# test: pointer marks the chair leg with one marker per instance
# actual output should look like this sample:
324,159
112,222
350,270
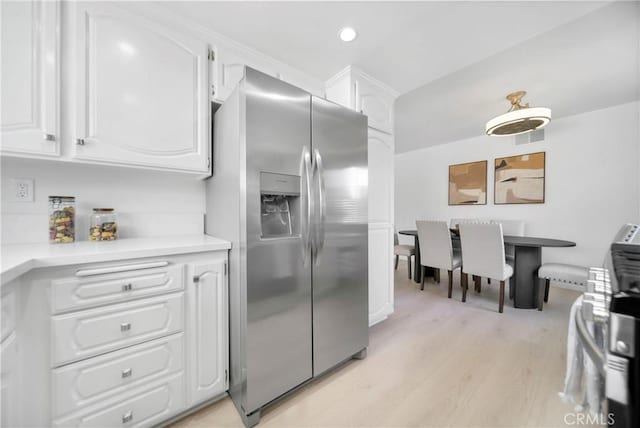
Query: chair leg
397,259
424,270
409,264
436,275
501,303
488,280
546,290
450,283
464,280
510,289
477,281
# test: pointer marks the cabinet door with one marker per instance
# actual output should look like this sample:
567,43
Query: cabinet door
375,103
230,70
142,92
207,330
29,79
380,272
380,177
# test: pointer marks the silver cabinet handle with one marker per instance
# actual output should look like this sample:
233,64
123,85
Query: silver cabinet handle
127,287
307,204
127,417
80,141
197,278
49,137
318,176
125,326
127,373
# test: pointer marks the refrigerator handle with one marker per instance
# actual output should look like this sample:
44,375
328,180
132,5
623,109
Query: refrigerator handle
318,176
306,205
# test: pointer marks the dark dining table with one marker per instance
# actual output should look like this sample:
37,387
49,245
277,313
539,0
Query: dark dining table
528,258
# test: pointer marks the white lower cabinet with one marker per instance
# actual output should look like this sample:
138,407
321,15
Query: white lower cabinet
380,272
8,357
208,331
140,407
97,379
87,333
129,343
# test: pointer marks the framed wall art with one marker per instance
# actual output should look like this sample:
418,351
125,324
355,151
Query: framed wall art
468,183
519,179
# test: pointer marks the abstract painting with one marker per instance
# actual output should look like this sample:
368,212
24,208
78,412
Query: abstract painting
519,179
468,183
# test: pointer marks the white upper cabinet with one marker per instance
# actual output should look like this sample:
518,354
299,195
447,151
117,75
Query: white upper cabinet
357,90
376,103
30,63
142,92
229,64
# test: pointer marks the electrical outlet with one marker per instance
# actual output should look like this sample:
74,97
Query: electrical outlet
22,189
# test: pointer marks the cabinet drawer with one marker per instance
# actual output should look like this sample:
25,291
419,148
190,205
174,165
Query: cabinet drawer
112,284
91,332
96,379
144,406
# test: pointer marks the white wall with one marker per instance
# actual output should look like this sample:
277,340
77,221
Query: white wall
148,203
592,182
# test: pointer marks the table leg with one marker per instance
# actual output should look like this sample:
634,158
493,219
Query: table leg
525,277
417,269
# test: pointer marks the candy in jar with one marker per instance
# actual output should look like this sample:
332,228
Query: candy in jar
103,225
62,215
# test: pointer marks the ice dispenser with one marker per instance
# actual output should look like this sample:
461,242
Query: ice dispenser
279,205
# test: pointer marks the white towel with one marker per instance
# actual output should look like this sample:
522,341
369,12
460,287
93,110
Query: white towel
583,384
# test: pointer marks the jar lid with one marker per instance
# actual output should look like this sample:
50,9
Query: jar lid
63,198
103,210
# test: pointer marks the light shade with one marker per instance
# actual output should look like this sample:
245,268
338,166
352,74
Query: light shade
348,34
519,121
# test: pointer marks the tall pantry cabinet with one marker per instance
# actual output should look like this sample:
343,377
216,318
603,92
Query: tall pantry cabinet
355,89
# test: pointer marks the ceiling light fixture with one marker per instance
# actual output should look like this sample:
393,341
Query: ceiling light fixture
519,119
348,34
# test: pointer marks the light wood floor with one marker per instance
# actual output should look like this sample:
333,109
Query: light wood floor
437,362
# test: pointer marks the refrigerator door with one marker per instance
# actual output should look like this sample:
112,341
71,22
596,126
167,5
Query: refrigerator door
278,329
340,235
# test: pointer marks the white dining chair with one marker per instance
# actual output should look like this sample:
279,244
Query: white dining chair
436,250
403,250
511,228
560,272
483,256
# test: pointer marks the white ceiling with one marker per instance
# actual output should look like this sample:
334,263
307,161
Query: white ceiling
404,44
453,61
588,64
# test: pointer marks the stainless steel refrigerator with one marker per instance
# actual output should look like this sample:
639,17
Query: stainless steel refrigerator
289,190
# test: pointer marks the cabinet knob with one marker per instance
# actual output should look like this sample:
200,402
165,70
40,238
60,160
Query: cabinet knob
127,373
127,417
125,326
49,137
127,287
80,141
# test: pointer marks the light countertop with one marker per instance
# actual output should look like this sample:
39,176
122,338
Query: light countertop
18,259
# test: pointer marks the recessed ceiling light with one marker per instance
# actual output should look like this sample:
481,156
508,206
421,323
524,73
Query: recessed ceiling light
348,34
